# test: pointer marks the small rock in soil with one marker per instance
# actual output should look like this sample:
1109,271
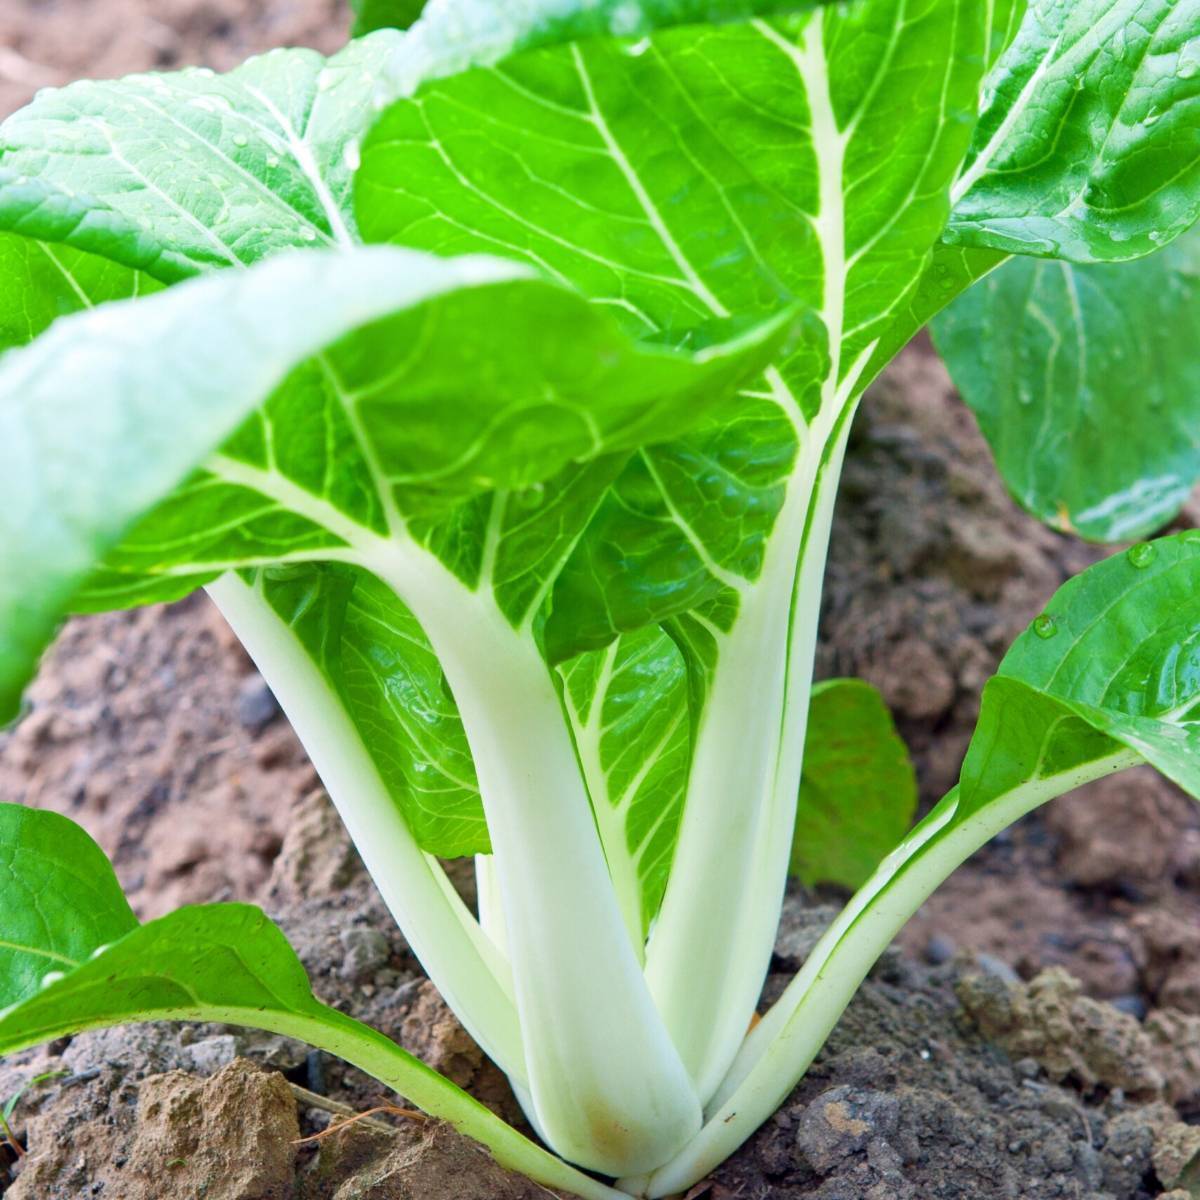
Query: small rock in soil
367,950
256,704
209,1055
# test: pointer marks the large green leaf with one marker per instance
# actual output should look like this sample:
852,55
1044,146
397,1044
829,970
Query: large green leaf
107,411
676,179
61,900
1085,382
859,791
1088,146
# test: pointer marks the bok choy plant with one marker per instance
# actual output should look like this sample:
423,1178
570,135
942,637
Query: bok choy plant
494,376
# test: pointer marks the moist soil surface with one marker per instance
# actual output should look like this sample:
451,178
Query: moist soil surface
1035,1033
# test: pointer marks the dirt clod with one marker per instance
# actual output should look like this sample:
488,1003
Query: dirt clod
1071,1036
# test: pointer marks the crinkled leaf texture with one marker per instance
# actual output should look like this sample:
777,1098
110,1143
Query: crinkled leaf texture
1084,379
1088,146
858,793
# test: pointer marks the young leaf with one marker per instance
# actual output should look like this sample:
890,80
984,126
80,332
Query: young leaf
1053,358
859,790
1106,678
1110,664
61,900
218,962
1087,144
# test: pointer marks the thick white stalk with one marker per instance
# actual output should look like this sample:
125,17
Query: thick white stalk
782,1047
607,1085
711,948
435,922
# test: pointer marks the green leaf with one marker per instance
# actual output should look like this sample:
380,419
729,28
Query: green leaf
370,15
569,158
41,281
628,709
186,171
181,172
454,35
1084,380
62,900
859,790
1088,146
216,962
1114,661
107,411
378,661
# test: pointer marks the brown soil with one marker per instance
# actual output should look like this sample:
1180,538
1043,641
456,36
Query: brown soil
949,1076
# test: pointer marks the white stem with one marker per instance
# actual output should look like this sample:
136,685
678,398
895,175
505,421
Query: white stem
607,1085
711,947
435,922
782,1047
491,907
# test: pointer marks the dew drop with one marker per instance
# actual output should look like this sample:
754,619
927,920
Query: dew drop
309,235
52,977
1044,626
531,497
272,160
1141,555
241,141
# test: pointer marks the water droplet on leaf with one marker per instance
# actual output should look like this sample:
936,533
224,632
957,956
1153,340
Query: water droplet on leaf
1141,555
1044,626
241,140
531,497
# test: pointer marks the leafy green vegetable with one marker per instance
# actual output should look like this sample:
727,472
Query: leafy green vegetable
101,376
1086,146
61,900
531,550
858,792
1054,357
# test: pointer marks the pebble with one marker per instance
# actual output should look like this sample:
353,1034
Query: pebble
939,949
367,950
989,964
256,704
210,1054
1134,1005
